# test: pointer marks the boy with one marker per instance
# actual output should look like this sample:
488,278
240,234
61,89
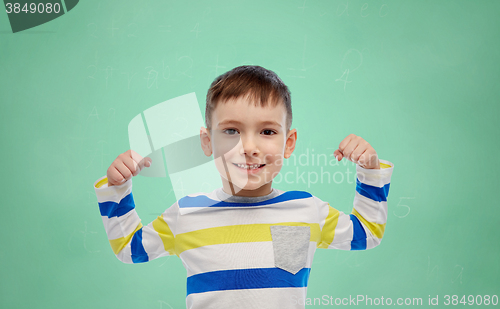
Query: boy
249,245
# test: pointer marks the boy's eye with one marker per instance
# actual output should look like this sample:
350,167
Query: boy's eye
234,131
269,132
230,131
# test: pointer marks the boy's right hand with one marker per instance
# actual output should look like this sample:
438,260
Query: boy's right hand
126,165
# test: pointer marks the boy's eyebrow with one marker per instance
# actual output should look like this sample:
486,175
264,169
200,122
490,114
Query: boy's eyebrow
268,122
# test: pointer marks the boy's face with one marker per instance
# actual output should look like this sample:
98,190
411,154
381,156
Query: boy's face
244,135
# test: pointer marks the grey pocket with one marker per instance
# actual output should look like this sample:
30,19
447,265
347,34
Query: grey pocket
290,246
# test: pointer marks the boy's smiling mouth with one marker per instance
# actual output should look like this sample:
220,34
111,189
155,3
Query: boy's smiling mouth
249,167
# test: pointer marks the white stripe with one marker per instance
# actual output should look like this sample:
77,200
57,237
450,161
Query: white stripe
292,298
303,210
117,227
187,210
234,256
341,246
125,255
113,193
172,218
343,230
371,210
375,177
323,210
372,242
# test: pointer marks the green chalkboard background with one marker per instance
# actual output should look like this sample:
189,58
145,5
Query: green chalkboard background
418,80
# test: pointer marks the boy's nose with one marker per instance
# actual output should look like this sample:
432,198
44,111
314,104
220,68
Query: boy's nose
249,147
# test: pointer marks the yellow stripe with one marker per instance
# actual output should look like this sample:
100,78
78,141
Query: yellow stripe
102,182
166,235
376,228
234,234
118,244
383,165
328,232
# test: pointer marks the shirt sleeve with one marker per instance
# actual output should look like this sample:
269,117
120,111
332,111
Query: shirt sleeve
130,241
364,227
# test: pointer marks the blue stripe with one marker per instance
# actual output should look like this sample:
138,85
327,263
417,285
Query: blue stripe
139,255
112,209
358,235
254,278
204,201
372,192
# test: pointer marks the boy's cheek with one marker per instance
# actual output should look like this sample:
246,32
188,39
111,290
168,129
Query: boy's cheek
275,159
227,153
279,162
224,144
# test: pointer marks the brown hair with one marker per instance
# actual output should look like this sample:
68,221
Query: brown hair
261,85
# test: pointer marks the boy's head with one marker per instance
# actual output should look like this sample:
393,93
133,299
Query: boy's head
262,86
248,117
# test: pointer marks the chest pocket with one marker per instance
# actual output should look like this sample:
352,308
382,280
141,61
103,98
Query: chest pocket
290,246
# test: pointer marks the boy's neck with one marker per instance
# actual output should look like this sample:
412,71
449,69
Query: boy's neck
230,189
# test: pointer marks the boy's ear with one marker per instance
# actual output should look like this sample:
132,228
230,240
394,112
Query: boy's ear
291,139
206,143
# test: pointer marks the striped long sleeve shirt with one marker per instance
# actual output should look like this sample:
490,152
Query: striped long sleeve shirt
246,252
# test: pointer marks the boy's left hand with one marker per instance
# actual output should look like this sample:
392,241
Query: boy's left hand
356,149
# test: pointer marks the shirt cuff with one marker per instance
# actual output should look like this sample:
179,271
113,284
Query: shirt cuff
113,193
376,177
